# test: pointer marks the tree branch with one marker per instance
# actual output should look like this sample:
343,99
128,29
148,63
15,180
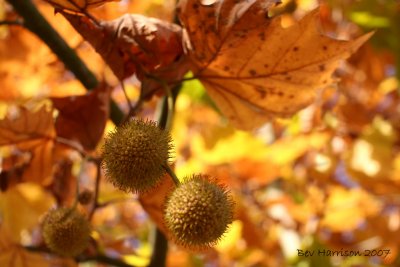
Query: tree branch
160,247
38,25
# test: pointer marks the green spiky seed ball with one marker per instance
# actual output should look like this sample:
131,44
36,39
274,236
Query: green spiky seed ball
198,212
66,232
134,155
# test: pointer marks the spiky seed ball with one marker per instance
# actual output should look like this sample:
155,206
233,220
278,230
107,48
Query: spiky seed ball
198,212
134,154
66,232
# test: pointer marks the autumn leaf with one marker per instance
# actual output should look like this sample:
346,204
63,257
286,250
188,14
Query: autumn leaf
33,132
135,44
77,5
153,203
252,67
83,118
350,206
30,200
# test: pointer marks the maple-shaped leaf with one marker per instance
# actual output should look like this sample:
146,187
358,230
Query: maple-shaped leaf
134,44
33,132
83,118
77,5
251,66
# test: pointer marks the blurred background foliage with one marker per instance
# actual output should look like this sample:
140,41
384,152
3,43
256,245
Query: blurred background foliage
326,179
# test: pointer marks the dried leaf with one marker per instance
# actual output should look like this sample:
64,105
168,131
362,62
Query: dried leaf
252,67
77,5
83,118
31,132
134,44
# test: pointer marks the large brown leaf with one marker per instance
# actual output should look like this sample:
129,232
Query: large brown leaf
32,132
83,118
252,67
135,44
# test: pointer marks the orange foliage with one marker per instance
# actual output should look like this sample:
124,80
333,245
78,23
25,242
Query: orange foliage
318,168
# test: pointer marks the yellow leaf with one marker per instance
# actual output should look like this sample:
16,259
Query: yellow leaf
285,150
21,207
229,239
346,209
252,67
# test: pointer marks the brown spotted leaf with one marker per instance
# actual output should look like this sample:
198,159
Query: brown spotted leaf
252,67
83,118
31,132
77,5
135,44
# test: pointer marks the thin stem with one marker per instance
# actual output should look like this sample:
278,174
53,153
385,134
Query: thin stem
115,201
159,256
160,246
72,144
171,107
96,191
126,96
172,174
11,23
76,201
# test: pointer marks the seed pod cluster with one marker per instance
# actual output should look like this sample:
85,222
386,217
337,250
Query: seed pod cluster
66,232
134,155
198,212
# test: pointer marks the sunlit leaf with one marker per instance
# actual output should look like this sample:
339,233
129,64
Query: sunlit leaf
31,202
347,209
83,118
252,67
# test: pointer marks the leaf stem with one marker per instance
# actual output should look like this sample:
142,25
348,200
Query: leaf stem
172,174
96,191
72,144
11,23
159,256
160,246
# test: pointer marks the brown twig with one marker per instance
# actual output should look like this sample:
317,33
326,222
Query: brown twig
96,191
12,23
